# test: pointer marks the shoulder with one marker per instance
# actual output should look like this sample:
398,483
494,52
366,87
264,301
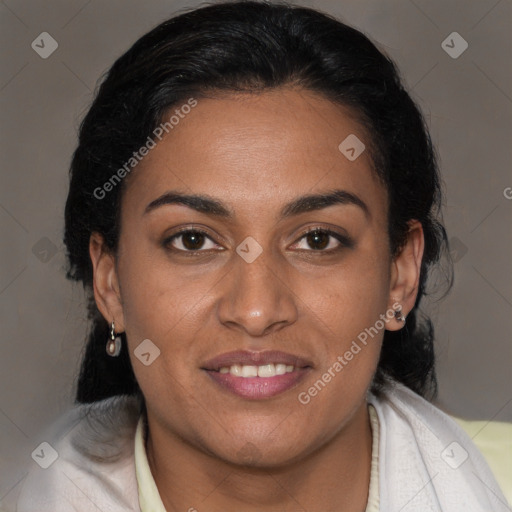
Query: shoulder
86,460
481,448
494,440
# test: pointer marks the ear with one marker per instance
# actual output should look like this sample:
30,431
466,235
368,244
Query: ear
405,274
105,282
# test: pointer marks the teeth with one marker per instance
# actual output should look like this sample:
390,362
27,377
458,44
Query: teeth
267,370
236,370
249,371
281,369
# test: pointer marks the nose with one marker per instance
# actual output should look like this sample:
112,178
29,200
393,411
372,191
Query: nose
256,300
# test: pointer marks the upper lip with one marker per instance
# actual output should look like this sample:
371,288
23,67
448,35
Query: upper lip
247,357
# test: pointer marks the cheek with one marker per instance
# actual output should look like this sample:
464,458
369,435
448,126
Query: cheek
348,298
156,295
352,339
347,305
165,310
163,306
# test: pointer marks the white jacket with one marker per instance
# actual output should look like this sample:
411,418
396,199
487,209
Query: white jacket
427,463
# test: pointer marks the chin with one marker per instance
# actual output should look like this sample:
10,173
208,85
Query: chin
261,455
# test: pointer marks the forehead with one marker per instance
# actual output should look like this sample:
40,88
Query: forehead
258,151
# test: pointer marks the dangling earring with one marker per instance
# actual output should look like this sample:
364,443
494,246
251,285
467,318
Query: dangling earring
114,343
399,316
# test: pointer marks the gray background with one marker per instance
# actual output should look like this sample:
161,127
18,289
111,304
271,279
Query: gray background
467,102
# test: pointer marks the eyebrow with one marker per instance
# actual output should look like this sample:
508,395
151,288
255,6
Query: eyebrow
211,206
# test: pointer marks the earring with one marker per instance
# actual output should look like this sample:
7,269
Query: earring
114,343
399,316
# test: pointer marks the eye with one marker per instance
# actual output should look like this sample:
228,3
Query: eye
318,240
323,240
189,240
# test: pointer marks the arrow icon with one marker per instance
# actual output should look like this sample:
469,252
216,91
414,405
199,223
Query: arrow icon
40,456
44,455
351,147
454,45
44,45
147,352
249,252
454,455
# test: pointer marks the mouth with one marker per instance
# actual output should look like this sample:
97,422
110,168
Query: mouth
257,375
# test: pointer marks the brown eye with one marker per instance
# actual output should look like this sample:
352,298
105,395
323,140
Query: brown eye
192,240
323,241
318,239
189,240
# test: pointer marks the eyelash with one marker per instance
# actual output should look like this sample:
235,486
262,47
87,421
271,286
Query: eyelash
345,242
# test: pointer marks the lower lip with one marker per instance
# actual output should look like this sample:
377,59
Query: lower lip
256,388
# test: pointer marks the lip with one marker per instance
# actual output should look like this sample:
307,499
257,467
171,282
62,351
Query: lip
257,388
247,357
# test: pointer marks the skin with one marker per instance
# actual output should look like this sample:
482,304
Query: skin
207,448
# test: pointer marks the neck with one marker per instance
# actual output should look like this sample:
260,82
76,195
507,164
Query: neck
334,477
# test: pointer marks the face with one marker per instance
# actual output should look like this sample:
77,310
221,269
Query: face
252,279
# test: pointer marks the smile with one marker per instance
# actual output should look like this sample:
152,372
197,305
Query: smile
257,375
267,370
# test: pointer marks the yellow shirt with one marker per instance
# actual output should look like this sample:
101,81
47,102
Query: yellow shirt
494,440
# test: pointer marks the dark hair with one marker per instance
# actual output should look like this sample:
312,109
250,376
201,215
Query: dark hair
251,46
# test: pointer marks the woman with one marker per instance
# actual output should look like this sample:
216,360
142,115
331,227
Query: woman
254,210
